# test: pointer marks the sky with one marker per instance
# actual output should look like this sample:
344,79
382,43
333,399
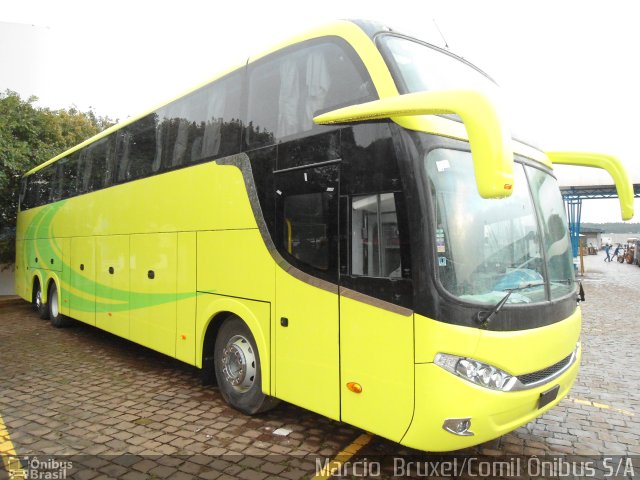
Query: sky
567,68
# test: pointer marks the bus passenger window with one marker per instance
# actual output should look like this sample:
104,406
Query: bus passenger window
101,154
42,185
142,147
305,229
84,172
210,141
28,201
181,142
22,194
375,238
288,90
123,139
56,182
70,175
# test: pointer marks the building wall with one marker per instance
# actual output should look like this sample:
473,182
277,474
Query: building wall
6,281
592,239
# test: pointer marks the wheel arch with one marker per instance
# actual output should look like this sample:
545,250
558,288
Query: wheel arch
53,279
256,315
208,346
37,277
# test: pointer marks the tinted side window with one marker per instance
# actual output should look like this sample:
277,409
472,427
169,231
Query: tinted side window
123,140
375,254
102,154
39,186
375,244
205,124
56,182
291,87
22,194
141,151
306,228
84,171
29,198
307,219
69,166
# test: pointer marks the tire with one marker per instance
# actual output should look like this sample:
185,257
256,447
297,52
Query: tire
38,305
57,319
237,368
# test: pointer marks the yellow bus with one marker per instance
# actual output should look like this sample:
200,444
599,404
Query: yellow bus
343,223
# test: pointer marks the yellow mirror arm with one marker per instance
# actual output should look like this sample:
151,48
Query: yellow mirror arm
489,139
609,163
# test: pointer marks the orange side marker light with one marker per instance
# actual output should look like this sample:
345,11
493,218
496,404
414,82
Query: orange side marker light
354,387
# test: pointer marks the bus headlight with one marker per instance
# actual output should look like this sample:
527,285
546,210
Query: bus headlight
476,372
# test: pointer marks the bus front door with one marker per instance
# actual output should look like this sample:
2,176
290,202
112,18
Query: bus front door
307,311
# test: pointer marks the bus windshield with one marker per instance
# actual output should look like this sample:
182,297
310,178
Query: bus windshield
418,67
486,247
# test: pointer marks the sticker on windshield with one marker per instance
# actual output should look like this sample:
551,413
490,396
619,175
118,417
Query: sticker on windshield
440,247
442,261
443,165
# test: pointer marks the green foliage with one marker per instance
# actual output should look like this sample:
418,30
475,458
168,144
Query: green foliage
30,135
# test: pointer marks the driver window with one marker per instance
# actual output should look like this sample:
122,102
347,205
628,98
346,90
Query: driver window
375,245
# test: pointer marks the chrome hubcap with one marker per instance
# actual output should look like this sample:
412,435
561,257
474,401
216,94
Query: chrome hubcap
54,303
239,363
38,299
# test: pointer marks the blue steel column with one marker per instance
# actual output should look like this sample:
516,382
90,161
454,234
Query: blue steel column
574,211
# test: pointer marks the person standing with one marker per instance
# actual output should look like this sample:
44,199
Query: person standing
607,249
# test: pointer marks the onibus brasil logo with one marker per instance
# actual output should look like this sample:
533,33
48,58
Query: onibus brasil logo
32,467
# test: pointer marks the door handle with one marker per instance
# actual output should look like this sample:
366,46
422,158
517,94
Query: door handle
284,321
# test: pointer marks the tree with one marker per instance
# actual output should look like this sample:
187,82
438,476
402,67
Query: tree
30,135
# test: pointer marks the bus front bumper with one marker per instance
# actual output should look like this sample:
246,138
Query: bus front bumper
441,395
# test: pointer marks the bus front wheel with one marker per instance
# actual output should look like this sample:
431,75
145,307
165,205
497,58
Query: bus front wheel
237,368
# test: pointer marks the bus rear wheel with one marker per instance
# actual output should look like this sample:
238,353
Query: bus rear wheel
237,368
38,303
58,320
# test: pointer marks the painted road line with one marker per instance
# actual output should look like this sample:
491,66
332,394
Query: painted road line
8,454
344,456
601,406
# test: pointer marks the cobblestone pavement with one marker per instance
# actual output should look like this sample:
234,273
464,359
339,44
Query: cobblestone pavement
131,413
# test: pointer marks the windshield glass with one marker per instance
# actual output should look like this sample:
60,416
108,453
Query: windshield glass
418,67
487,247
557,243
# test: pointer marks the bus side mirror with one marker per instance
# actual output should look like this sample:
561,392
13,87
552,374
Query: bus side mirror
489,139
609,163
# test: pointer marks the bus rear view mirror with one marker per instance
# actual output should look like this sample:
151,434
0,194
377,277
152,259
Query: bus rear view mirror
611,164
489,139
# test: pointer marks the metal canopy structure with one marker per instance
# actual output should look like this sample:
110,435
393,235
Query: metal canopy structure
573,197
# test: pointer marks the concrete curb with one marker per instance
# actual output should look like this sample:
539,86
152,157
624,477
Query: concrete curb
10,300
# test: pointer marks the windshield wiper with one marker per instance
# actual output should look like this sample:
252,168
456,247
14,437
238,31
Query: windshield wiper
483,317
570,281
